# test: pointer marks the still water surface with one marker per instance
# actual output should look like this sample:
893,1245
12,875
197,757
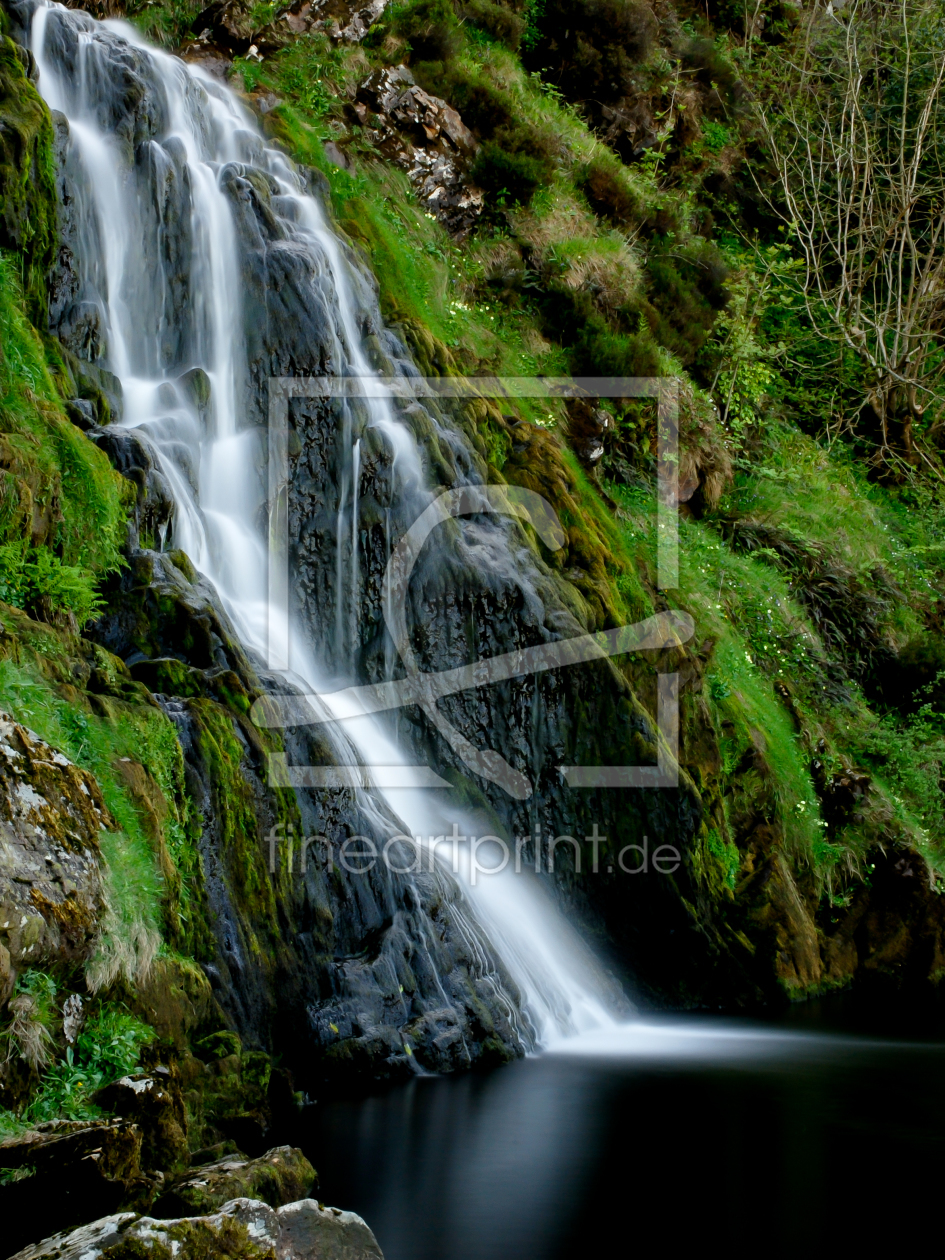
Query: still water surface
697,1132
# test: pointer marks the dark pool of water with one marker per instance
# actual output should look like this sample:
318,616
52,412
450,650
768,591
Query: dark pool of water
692,1134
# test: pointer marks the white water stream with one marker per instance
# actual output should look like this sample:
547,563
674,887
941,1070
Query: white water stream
212,460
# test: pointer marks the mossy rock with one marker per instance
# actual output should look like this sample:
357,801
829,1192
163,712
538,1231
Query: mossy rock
27,178
282,1175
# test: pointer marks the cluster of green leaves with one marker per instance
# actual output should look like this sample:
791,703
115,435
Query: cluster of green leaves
107,1047
31,575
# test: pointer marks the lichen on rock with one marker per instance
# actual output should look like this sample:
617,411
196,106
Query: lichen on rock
52,900
281,1176
243,1229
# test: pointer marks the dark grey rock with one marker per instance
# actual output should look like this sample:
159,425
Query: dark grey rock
309,1231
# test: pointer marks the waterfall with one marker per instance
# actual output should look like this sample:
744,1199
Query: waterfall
167,273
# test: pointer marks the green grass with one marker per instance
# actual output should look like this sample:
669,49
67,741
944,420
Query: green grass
62,506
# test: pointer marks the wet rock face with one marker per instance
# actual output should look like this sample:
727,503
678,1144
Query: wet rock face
51,897
243,1229
427,138
379,971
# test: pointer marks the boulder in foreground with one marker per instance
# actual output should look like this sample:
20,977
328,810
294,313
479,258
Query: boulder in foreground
244,1229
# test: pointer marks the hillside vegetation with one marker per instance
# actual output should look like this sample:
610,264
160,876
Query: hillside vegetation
635,223
665,191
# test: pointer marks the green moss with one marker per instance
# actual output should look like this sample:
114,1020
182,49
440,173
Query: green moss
138,895
225,744
62,506
27,178
726,855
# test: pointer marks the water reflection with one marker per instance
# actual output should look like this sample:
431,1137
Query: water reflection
771,1141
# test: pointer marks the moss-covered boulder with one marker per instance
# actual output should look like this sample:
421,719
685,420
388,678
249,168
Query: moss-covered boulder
51,894
155,1102
243,1229
283,1175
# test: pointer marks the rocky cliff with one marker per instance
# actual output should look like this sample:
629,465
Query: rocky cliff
515,225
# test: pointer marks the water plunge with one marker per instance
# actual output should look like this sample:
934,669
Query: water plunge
167,278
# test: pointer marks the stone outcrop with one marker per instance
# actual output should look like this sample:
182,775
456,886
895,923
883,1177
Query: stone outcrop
281,1176
82,1169
228,28
347,21
51,895
152,1101
243,1229
425,137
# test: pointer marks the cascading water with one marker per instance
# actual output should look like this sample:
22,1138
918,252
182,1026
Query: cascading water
165,277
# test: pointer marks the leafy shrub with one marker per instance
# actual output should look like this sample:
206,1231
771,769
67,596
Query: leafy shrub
511,178
589,47
609,191
595,347
713,69
499,21
107,1048
37,581
686,291
430,27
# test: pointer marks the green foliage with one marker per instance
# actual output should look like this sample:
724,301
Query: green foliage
62,506
534,16
429,26
726,854
908,759
510,178
134,891
612,191
27,177
168,22
716,135
497,19
107,1047
35,578
589,47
